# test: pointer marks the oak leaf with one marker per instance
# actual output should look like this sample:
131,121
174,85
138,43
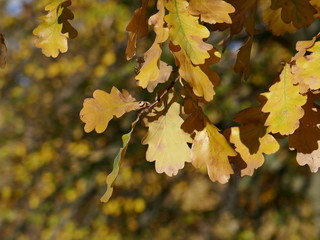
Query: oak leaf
284,104
185,31
268,145
137,28
3,51
299,12
99,110
306,72
167,142
211,11
195,76
53,32
165,72
150,71
211,148
274,20
306,138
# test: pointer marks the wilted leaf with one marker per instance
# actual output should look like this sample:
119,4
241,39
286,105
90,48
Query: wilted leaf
137,28
3,52
99,110
211,148
299,12
284,105
211,11
167,142
306,138
185,31
150,71
268,145
53,32
116,164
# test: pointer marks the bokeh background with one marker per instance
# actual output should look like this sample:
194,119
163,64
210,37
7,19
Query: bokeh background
52,174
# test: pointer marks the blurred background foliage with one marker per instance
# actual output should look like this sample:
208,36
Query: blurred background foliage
52,175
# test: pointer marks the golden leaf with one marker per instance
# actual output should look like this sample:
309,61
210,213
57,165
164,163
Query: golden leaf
99,110
284,105
185,31
211,11
211,148
167,142
53,32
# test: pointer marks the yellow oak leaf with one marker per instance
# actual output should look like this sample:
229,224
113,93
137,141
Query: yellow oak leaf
195,76
274,20
150,70
53,32
211,11
185,31
306,138
268,145
165,72
284,104
167,142
3,51
211,148
306,72
137,28
303,46
99,110
299,12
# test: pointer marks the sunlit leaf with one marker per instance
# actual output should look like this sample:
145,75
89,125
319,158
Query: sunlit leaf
99,110
167,142
211,148
284,105
53,32
185,31
165,72
211,11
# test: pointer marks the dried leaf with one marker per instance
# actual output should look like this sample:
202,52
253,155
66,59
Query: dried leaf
3,51
211,11
284,105
274,20
53,32
211,148
196,120
268,145
137,28
185,31
306,138
167,142
299,12
99,110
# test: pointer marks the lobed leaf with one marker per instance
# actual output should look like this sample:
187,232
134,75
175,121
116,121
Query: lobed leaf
211,148
99,110
53,32
299,12
167,142
284,105
212,11
185,31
